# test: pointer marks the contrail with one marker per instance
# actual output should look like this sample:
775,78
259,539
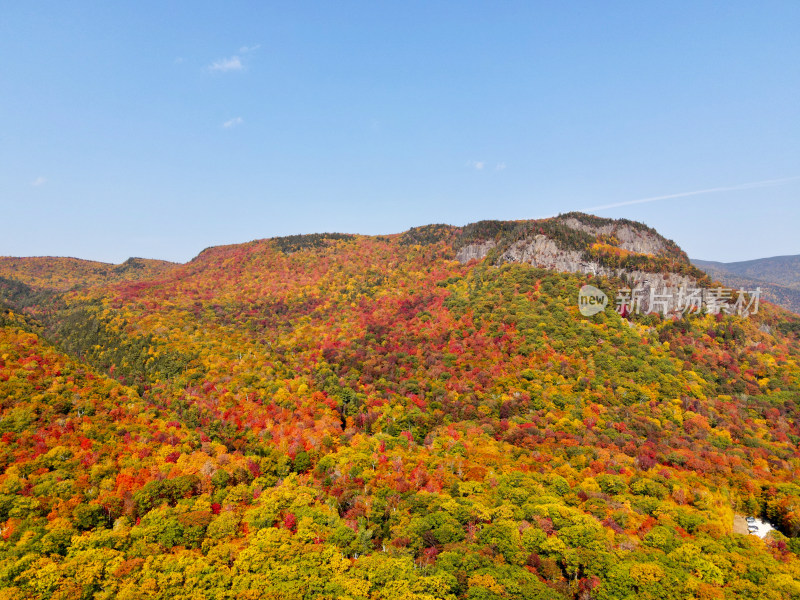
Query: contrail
732,188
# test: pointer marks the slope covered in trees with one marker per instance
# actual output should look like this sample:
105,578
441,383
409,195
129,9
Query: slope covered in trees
364,417
61,274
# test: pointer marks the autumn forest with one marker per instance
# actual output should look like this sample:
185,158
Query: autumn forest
415,416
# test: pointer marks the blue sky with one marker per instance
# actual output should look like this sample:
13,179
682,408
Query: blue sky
157,129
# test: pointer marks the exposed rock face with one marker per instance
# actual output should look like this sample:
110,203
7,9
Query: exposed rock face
659,292
660,289
670,280
471,251
630,239
543,252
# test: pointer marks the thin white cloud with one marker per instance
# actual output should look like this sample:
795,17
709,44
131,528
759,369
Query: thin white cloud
178,60
233,122
223,65
732,188
246,49
500,167
39,181
478,165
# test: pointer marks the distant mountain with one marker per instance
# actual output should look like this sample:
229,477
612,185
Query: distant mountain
62,273
779,270
778,277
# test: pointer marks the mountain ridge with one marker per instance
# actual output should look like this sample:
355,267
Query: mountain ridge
781,270
778,276
589,242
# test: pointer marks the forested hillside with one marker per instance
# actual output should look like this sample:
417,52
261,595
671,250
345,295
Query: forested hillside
346,416
62,274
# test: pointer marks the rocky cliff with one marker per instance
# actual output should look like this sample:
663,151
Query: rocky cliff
579,243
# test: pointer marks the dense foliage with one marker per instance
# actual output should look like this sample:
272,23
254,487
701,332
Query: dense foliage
62,274
365,418
293,243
